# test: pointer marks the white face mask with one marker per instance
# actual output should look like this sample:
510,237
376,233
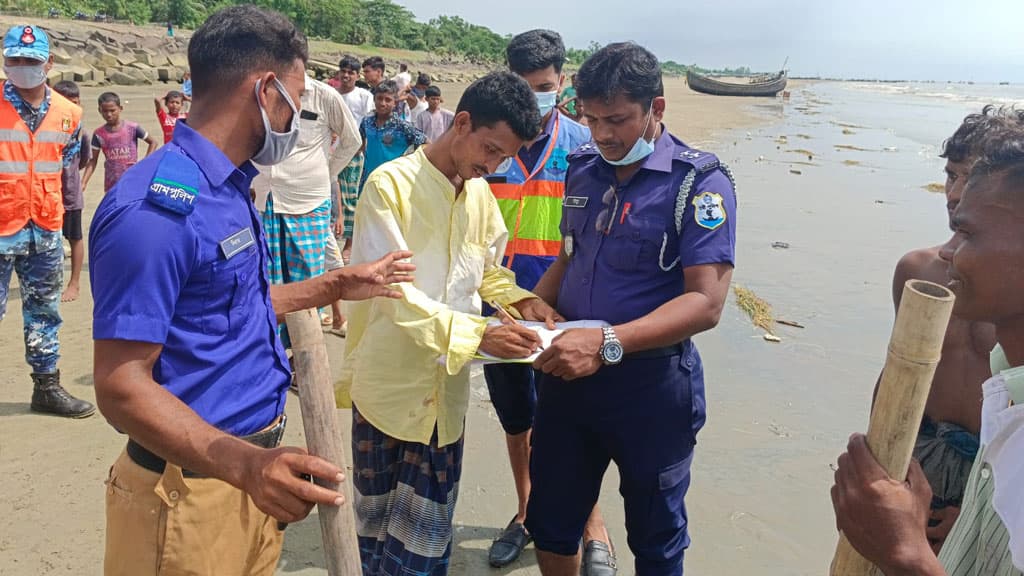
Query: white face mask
546,101
26,77
276,145
641,149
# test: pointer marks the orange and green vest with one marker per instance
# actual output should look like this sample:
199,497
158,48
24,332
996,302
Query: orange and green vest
531,201
31,163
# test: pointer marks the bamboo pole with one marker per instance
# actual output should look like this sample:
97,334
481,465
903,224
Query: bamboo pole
323,438
915,349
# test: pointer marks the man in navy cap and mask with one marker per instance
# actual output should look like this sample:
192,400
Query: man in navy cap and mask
39,134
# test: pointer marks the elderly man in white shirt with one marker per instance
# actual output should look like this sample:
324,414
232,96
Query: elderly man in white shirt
296,195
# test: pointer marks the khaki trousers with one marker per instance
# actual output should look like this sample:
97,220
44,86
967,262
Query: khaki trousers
168,525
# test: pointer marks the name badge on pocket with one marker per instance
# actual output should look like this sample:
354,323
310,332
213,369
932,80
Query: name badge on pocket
237,242
575,201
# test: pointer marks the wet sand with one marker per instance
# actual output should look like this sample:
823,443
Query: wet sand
778,413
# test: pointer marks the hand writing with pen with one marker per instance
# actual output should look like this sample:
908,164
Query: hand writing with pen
510,339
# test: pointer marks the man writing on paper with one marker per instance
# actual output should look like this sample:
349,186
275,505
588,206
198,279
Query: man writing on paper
530,189
408,409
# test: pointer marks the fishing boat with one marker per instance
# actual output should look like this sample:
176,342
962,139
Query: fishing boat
764,85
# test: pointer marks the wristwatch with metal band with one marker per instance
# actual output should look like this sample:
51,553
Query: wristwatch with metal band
611,349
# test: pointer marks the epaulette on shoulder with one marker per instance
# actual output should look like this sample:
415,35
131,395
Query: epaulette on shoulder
587,150
701,161
175,184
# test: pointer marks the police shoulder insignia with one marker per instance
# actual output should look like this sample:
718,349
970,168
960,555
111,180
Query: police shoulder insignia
588,149
702,162
175,186
65,124
709,210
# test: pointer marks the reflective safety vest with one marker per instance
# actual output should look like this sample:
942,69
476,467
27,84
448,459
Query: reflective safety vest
531,202
31,163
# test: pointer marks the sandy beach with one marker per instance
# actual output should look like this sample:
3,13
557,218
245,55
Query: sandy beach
842,188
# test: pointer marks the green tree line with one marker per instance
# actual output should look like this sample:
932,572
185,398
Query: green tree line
380,23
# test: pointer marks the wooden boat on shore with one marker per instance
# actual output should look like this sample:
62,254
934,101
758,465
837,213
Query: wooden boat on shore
765,86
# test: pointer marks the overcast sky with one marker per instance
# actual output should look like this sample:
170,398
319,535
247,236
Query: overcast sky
980,40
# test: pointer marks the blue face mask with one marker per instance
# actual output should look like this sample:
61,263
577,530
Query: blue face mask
276,145
641,148
546,101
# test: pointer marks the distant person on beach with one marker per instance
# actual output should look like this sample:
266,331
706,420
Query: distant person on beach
174,101
73,194
567,100
403,79
118,140
187,361
385,135
412,101
434,121
36,123
333,81
530,190
887,519
186,85
409,410
373,72
423,81
638,255
360,103
948,441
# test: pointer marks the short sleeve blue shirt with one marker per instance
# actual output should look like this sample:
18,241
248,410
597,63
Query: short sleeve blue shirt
177,257
677,211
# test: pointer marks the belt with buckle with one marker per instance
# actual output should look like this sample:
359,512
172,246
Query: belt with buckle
269,437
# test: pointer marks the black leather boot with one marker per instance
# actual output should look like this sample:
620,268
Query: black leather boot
49,397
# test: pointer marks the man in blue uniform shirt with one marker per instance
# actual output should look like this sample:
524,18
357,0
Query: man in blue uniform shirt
187,359
649,232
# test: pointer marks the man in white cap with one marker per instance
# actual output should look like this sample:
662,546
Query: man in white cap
39,134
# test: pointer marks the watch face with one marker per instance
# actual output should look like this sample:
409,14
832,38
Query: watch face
612,352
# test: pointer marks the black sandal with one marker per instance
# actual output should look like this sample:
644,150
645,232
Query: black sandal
507,547
598,559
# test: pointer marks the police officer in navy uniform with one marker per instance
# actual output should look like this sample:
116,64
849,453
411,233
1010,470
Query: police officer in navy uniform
638,254
187,359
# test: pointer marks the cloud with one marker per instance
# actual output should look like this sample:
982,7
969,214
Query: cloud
890,39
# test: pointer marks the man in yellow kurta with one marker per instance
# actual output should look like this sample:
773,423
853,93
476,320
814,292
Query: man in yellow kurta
406,370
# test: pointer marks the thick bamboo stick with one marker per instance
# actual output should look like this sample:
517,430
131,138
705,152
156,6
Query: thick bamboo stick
323,438
915,348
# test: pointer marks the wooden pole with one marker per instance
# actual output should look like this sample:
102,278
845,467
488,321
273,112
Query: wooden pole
323,438
915,349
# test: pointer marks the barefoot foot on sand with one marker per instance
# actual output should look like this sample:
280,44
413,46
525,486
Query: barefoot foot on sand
70,293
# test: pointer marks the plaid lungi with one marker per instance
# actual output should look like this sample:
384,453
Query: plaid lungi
297,242
348,180
405,495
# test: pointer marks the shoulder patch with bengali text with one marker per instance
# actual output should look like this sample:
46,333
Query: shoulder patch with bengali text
175,186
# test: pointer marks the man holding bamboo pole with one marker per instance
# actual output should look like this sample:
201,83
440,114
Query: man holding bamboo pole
884,519
187,359
947,442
